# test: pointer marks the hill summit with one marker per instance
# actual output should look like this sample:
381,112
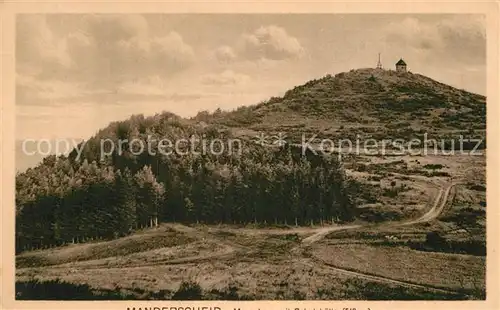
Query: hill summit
373,102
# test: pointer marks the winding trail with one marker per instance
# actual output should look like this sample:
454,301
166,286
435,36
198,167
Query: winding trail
323,232
437,208
376,278
434,211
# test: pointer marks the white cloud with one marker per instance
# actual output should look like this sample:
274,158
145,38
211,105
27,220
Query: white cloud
140,56
151,85
225,54
463,36
227,77
104,49
112,28
30,90
37,44
158,89
271,42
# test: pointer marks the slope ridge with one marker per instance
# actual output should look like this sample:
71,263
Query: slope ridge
375,102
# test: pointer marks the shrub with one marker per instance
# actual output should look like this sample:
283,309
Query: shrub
394,190
361,167
60,290
477,187
434,239
438,174
229,293
433,166
188,291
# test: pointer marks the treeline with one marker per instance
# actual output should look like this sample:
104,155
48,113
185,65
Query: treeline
73,203
65,200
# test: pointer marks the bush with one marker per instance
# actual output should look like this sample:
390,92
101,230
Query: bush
229,293
477,187
433,166
188,291
378,216
394,190
465,217
361,167
434,239
471,247
60,290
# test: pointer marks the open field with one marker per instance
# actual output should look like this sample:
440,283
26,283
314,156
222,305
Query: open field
400,263
263,265
360,260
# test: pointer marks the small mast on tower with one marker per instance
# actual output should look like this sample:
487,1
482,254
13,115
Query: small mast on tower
379,64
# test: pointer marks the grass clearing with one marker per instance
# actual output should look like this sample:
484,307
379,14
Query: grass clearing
142,241
454,271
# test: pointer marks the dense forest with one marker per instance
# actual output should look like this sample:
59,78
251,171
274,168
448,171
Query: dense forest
75,199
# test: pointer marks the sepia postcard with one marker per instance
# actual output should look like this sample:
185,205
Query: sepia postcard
249,155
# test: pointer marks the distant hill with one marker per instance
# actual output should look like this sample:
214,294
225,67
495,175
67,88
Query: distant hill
28,156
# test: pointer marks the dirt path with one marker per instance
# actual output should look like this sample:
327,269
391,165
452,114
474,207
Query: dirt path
378,278
323,232
436,209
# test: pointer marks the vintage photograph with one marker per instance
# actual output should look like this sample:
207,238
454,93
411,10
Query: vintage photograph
166,156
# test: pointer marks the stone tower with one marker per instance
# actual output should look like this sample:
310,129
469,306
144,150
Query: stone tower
401,65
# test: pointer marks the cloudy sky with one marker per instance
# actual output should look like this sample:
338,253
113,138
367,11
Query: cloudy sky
76,73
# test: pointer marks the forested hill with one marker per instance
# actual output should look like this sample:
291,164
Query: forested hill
76,198
66,200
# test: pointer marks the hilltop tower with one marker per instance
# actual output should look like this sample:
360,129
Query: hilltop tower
379,64
401,65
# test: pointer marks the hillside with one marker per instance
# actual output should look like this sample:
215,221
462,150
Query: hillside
376,103
77,198
71,199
